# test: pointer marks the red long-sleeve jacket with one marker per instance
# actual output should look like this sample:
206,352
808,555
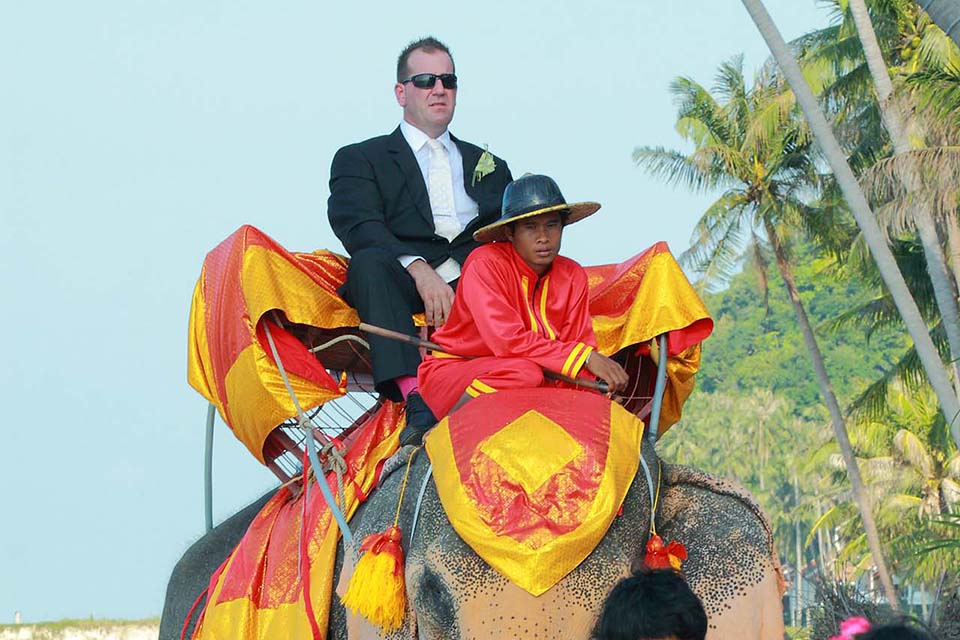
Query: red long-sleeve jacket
503,308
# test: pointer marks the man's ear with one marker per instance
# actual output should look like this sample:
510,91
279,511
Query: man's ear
508,231
400,92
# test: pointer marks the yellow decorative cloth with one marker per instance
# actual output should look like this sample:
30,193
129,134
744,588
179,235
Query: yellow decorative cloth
244,278
532,479
248,275
278,582
648,295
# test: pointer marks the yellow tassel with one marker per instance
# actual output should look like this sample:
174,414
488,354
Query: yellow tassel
377,591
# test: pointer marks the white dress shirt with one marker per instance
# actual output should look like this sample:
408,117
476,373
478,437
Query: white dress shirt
467,208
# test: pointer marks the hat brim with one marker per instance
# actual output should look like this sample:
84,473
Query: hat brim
497,230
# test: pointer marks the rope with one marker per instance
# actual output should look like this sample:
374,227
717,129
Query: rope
416,510
653,498
656,499
307,425
186,622
403,487
338,339
336,463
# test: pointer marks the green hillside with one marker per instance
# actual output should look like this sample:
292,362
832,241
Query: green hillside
757,344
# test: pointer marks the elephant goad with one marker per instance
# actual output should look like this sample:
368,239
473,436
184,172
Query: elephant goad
453,593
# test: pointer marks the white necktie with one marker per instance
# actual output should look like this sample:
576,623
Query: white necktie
440,189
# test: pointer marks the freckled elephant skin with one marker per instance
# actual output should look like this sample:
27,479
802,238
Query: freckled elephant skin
453,594
732,564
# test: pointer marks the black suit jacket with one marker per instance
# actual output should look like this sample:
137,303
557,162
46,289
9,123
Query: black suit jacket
378,198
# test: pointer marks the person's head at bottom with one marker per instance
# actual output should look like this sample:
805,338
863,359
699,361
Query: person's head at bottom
652,605
903,629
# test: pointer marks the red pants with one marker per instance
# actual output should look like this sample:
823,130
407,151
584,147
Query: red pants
443,381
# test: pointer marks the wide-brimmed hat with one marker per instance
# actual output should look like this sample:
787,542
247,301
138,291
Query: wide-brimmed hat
532,195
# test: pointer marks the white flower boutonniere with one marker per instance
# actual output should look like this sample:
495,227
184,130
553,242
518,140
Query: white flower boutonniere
485,166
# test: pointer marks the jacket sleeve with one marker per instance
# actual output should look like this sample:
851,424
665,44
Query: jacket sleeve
503,321
355,207
579,322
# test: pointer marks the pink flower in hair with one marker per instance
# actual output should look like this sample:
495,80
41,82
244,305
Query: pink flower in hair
851,627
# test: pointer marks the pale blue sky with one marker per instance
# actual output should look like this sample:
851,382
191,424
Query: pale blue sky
136,135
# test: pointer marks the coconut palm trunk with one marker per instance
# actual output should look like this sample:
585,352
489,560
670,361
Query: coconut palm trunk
798,549
953,240
836,417
946,14
892,277
894,121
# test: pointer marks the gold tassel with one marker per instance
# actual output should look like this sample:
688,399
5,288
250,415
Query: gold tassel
377,590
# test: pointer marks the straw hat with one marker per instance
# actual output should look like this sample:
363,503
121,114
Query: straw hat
532,195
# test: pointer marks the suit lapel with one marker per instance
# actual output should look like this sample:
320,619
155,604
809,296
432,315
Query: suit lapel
471,155
403,155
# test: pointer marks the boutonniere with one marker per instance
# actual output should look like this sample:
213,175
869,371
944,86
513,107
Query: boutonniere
485,166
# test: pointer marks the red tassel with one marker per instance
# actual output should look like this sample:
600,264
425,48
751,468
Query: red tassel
660,556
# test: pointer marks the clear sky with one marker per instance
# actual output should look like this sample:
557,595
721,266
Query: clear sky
135,135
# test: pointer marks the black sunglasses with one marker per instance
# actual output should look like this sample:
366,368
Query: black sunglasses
429,80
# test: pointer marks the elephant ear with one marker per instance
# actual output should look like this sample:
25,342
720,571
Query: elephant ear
733,566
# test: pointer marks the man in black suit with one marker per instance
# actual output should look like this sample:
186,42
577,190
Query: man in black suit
405,206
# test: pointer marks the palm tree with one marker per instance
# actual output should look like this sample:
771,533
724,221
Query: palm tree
763,405
911,467
896,124
847,182
751,144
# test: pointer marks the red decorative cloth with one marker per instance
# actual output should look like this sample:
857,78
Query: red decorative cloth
504,310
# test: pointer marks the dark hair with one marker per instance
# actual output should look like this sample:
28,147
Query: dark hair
902,629
651,604
428,44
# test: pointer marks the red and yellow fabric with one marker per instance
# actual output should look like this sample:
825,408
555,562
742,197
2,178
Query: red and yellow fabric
642,298
278,582
248,275
504,310
242,280
532,479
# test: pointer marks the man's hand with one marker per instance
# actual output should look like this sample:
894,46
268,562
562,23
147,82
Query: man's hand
607,370
436,294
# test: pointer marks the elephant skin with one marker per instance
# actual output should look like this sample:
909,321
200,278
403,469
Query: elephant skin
452,593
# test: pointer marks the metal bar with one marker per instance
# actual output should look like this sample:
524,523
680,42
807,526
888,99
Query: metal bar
658,390
208,470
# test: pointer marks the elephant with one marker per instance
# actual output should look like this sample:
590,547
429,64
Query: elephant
452,593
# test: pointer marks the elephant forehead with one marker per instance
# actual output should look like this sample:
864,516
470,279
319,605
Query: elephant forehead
451,587
487,605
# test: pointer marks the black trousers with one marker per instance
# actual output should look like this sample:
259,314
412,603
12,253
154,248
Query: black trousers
385,295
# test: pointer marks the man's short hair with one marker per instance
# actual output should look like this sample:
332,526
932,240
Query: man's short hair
649,605
900,629
428,44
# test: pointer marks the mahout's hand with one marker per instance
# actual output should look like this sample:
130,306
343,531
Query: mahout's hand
436,294
608,371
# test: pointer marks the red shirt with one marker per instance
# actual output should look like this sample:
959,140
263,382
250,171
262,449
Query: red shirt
503,308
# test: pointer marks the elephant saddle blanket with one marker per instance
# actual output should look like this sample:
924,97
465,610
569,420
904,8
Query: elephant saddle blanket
249,282
532,479
278,582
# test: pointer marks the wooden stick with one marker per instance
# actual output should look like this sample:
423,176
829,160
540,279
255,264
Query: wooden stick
597,385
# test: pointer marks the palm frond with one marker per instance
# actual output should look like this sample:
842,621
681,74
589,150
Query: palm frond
674,168
911,449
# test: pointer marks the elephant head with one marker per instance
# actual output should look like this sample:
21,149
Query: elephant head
452,593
